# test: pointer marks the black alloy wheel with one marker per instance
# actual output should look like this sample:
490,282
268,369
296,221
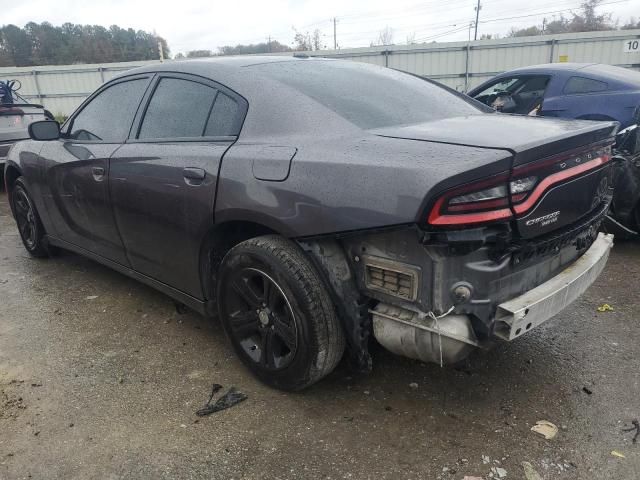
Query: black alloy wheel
261,318
278,313
25,218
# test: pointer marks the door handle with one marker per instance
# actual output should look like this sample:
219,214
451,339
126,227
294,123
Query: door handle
196,174
98,173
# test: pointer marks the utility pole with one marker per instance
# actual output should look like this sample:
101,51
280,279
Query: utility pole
544,24
335,38
478,7
160,51
269,44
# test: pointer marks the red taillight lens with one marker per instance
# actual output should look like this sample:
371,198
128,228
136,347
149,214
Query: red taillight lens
556,170
479,202
503,196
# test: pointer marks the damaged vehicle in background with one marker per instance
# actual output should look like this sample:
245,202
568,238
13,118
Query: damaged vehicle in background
312,203
587,91
15,116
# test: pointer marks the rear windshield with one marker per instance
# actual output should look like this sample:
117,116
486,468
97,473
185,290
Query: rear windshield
369,96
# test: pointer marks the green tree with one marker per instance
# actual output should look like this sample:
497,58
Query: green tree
586,20
263,47
199,53
45,44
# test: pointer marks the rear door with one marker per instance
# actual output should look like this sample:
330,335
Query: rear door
163,179
76,168
581,97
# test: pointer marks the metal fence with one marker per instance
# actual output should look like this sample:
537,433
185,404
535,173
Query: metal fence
460,65
61,88
463,65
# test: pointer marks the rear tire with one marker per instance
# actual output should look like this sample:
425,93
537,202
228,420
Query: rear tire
278,314
30,227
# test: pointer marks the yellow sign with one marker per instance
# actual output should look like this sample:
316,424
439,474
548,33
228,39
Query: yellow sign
563,58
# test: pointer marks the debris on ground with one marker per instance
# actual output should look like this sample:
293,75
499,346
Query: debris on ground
91,297
605,307
486,459
467,477
545,428
616,453
587,390
413,385
635,428
498,472
228,400
530,472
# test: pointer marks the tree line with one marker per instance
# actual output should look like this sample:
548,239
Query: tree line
586,20
46,44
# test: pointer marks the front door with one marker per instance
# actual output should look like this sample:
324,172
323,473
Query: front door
77,169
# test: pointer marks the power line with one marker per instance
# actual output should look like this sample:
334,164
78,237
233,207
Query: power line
459,24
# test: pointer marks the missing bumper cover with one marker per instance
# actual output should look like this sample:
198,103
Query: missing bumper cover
392,278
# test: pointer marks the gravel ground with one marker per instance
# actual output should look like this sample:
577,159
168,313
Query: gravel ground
100,378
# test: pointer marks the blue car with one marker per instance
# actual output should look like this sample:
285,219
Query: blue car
589,91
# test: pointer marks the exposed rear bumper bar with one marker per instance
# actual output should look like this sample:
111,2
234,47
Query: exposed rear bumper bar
521,314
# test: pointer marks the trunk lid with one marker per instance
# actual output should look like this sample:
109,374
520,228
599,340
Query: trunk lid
15,120
563,160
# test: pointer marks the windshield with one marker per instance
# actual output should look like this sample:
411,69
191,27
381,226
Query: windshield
369,96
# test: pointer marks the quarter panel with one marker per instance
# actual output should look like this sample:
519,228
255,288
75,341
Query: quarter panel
339,184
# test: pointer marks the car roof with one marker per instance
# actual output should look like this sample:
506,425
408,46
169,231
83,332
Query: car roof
602,71
551,67
215,64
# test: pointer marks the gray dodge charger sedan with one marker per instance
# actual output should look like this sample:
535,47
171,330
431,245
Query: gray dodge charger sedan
313,203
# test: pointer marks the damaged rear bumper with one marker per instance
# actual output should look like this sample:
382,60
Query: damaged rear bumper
450,337
521,314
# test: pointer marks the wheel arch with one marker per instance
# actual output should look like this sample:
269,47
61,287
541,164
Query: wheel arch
221,238
11,174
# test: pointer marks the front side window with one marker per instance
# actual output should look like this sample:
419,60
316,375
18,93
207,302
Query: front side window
583,85
520,95
178,109
501,86
109,115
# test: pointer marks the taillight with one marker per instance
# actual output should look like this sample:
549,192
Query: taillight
503,196
478,202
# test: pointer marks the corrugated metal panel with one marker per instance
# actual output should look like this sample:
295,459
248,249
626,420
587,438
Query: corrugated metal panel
62,88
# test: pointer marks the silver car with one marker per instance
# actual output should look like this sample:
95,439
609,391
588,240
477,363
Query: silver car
15,116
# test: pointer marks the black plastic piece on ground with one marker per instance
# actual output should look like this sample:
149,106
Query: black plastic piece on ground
228,400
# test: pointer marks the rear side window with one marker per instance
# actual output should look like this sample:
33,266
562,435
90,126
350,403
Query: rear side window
224,117
583,85
109,115
178,108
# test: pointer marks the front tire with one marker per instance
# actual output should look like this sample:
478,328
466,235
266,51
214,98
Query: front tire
30,227
278,314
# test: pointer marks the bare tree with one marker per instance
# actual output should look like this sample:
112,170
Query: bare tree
307,41
316,40
385,37
411,38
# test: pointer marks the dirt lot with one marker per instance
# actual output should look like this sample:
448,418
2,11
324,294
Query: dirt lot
100,378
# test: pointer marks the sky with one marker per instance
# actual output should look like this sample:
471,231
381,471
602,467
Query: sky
206,24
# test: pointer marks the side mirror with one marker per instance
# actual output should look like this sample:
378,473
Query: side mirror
44,130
